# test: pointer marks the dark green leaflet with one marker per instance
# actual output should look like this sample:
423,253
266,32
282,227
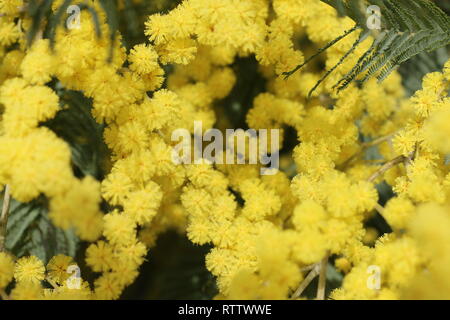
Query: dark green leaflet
409,28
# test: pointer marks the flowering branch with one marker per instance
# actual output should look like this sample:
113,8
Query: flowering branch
4,218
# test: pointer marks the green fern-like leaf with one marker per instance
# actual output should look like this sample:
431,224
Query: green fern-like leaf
30,232
408,28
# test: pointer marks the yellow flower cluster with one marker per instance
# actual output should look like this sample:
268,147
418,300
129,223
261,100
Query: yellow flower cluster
264,229
29,272
413,258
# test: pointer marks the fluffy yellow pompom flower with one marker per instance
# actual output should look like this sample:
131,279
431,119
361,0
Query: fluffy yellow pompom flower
29,269
116,187
132,254
21,116
245,286
430,228
161,110
119,228
180,51
308,214
9,32
260,201
57,268
436,130
6,269
142,205
158,28
404,142
221,82
398,211
100,256
143,59
108,287
37,66
10,7
27,291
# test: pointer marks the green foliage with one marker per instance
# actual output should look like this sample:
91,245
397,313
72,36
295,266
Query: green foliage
85,136
30,232
408,28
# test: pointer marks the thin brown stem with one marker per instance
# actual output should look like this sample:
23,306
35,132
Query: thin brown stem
388,165
308,268
366,145
4,217
310,277
374,161
413,155
322,279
